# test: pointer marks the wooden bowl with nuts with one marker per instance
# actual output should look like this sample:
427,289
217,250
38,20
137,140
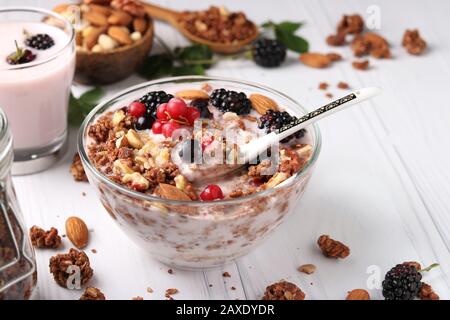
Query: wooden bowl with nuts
113,38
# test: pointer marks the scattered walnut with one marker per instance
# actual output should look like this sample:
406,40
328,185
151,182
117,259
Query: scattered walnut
426,292
358,294
361,65
343,85
45,239
307,268
226,275
137,298
92,293
170,292
77,170
332,248
353,24
336,39
323,86
328,95
371,43
413,43
60,263
283,290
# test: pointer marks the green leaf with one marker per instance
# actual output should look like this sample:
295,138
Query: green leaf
289,26
291,41
156,66
79,108
195,54
187,70
268,25
92,97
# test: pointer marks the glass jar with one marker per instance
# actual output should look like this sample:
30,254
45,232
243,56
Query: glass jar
17,262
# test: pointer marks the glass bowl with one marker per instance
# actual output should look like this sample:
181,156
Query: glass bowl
195,234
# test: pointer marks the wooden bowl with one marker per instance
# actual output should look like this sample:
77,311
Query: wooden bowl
115,65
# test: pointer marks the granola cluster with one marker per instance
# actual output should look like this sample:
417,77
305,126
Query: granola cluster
45,239
74,259
283,290
77,170
92,293
218,25
413,42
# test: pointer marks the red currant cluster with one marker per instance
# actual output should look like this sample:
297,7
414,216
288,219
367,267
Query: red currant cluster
170,116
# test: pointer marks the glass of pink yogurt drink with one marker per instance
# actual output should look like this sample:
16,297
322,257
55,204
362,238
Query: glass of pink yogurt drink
37,65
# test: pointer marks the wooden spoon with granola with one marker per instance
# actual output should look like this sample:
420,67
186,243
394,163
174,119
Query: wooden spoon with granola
222,31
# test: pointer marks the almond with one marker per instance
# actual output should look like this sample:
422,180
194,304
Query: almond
120,34
77,232
96,19
358,294
307,268
103,10
262,103
119,18
192,94
315,60
170,192
140,24
91,39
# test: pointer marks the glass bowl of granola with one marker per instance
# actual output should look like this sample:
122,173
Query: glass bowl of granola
163,157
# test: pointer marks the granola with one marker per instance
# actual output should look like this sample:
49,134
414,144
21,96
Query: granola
45,239
361,65
413,42
92,293
77,170
283,290
426,292
62,265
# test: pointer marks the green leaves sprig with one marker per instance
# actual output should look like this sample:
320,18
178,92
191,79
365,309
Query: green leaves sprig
80,107
191,60
285,33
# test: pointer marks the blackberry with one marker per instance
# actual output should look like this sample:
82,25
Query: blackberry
41,41
268,53
274,120
143,123
230,101
20,56
202,106
152,100
401,283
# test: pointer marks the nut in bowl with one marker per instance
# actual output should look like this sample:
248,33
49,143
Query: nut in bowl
112,39
172,209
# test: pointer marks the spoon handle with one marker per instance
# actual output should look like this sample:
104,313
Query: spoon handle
161,13
257,146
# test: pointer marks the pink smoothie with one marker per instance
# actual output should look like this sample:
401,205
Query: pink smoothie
35,95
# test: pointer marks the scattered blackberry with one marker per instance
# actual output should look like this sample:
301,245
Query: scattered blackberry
20,56
268,53
274,120
401,283
228,100
202,106
40,41
152,100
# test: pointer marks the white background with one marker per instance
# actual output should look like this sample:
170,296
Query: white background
381,185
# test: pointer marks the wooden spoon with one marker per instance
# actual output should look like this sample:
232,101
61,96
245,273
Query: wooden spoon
173,17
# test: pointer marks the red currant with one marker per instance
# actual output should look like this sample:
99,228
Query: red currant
161,112
157,127
169,127
177,108
136,109
211,192
192,115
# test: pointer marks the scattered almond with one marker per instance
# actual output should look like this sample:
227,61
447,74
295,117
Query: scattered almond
120,34
192,94
77,232
170,192
96,19
358,294
315,60
119,18
262,103
140,25
307,268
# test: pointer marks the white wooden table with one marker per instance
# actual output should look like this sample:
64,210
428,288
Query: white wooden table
382,183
